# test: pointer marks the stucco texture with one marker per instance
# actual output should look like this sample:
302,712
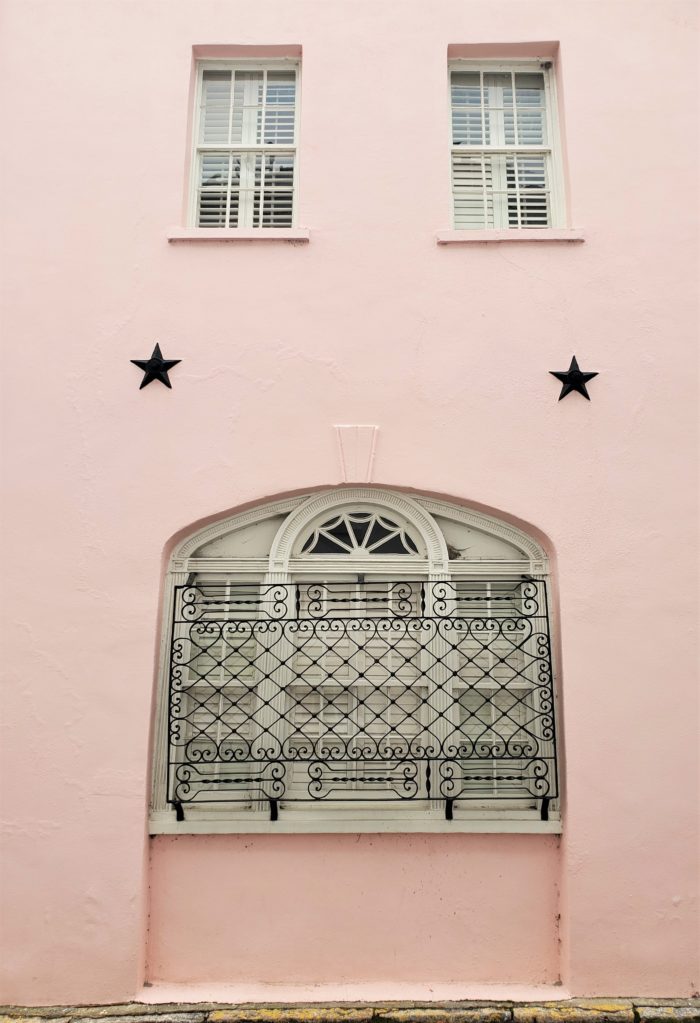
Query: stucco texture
447,350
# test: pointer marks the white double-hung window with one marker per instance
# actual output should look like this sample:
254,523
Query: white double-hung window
244,173
506,168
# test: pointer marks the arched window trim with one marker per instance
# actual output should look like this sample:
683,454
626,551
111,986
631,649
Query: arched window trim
185,550
282,565
326,502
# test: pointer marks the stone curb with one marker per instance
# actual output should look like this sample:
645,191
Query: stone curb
608,1011
455,1014
665,1013
585,1010
292,1014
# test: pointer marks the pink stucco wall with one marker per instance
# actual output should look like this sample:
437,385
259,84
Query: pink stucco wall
447,350
376,907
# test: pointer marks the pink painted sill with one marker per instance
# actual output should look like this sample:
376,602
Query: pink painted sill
543,234
223,234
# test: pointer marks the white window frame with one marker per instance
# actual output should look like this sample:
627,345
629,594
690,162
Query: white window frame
284,564
280,64
553,151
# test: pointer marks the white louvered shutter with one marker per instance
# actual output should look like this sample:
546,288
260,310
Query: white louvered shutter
246,148
502,163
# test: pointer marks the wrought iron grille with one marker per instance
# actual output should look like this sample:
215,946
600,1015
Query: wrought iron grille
381,692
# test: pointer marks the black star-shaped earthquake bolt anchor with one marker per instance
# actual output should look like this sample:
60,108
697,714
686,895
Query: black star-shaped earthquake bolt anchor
573,380
155,368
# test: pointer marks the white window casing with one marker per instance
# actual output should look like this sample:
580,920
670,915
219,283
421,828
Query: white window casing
291,627
244,165
505,153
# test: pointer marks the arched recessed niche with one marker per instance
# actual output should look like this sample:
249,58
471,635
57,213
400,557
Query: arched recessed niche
356,659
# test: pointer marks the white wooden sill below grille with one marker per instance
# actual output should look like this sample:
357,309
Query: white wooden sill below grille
539,234
164,823
224,234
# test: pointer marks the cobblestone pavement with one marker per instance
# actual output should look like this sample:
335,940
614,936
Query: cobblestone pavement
589,1010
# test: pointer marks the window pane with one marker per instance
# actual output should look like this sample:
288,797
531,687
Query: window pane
217,203
472,189
279,108
215,107
274,180
247,108
213,190
529,100
528,195
467,119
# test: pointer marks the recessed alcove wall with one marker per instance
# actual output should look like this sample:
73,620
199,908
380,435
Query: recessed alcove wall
328,909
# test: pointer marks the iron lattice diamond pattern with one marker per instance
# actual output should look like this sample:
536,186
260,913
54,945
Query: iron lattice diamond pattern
369,691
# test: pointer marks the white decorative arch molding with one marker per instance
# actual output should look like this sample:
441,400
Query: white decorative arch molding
487,524
386,500
418,511
189,545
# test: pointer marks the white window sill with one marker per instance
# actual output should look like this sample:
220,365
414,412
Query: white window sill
223,234
540,234
165,824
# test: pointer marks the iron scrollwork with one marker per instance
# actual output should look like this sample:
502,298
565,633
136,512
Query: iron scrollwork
386,692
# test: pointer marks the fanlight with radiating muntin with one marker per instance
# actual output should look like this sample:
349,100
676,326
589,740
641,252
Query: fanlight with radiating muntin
359,532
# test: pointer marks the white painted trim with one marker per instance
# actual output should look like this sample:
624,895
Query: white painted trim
281,550
503,64
486,523
248,64
256,568
557,184
205,535
328,826
511,234
159,778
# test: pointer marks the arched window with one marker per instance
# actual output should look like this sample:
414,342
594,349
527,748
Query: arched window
356,659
